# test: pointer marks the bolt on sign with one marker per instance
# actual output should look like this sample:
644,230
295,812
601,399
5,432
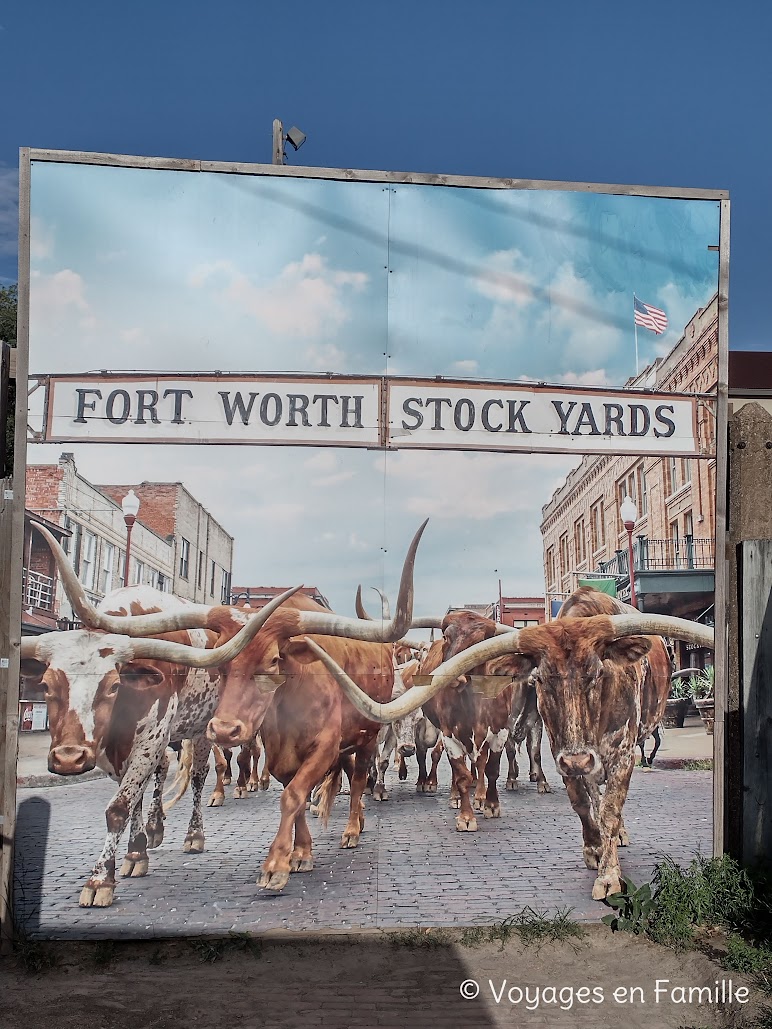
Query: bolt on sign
301,376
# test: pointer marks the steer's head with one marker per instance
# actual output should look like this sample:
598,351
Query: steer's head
81,672
584,680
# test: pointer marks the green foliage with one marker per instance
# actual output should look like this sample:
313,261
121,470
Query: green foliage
701,686
743,956
632,909
532,928
211,949
426,939
34,956
679,690
703,764
9,303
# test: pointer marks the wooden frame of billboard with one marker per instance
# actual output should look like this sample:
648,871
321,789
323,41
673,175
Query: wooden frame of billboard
12,510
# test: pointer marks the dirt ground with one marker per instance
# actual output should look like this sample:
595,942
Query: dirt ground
371,981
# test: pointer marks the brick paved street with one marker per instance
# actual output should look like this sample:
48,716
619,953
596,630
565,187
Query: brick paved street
410,868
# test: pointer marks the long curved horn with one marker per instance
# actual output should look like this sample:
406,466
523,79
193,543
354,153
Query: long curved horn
28,648
196,657
412,699
436,623
360,608
319,624
194,616
663,625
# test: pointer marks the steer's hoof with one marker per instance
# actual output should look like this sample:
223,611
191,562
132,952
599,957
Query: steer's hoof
301,864
543,787
275,881
591,856
402,774
466,823
155,836
216,800
265,782
492,810
379,793
512,785
430,787
605,885
349,840
134,866
253,787
478,803
314,809
227,780
194,843
624,839
239,792
97,896
455,803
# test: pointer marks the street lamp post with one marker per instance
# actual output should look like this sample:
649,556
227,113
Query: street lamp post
628,512
130,505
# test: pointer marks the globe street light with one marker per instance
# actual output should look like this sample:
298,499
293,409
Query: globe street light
130,505
628,512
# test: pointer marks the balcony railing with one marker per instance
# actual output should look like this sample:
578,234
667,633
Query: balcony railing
662,555
38,590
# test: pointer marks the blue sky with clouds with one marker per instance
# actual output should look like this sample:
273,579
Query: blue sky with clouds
152,270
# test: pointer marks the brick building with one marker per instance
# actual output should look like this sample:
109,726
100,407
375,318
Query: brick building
674,536
520,611
258,596
202,549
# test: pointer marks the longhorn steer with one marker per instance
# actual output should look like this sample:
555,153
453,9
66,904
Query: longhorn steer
310,731
526,725
118,701
596,694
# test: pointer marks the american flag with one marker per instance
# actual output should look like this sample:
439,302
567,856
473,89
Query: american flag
649,317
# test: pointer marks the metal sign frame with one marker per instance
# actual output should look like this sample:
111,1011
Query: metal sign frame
12,529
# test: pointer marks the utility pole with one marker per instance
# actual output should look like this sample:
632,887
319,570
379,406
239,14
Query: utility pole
278,142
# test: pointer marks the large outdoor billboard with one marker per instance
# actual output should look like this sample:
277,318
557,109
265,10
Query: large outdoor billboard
344,356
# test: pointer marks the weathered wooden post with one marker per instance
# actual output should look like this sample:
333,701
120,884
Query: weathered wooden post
749,711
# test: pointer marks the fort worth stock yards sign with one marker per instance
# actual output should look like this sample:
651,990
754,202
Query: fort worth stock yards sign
364,412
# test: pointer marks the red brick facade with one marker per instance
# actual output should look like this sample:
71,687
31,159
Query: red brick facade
158,502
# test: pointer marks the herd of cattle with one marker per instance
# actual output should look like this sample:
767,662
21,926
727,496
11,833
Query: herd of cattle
329,695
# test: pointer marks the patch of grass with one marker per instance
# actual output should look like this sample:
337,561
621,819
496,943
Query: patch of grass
703,764
414,939
34,956
211,948
474,936
531,927
743,956
764,1021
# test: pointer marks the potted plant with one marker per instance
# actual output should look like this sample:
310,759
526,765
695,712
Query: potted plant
677,703
702,689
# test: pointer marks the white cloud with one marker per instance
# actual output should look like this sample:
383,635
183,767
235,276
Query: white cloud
59,300
325,357
596,377
506,279
306,300
587,341
465,367
41,239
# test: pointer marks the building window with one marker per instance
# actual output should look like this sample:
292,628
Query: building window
162,582
565,564
597,527
184,558
551,567
672,474
225,592
686,469
152,578
688,524
108,567
67,540
121,568
200,569
139,573
580,543
643,491
87,560
211,579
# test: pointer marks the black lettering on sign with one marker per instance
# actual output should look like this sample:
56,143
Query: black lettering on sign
461,422
516,415
238,407
178,394
563,415
110,407
635,410
146,401
84,405
614,414
485,417
586,418
438,401
663,419
325,400
275,418
346,412
412,412
298,405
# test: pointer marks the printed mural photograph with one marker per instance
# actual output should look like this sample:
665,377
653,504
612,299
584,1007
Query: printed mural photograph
369,547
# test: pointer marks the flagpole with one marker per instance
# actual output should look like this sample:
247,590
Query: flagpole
635,326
